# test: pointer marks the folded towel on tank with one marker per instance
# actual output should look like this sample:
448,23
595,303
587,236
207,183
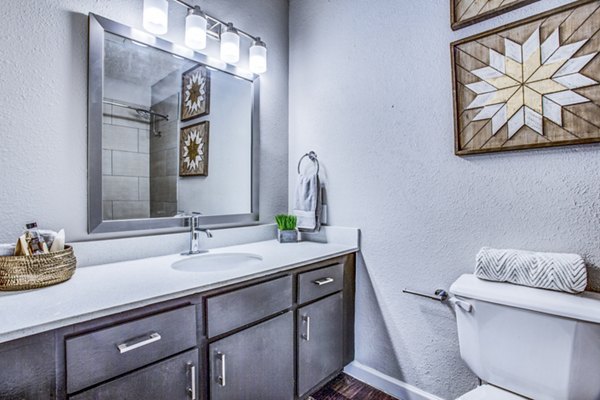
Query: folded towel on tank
555,271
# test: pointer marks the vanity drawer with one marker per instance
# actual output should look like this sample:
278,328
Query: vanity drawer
320,282
235,309
104,354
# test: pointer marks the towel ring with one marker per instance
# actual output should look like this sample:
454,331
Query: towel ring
312,156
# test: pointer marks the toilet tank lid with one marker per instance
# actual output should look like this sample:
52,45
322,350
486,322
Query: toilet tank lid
584,306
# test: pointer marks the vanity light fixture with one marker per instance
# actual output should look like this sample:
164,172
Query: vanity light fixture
195,29
156,16
199,26
230,44
258,57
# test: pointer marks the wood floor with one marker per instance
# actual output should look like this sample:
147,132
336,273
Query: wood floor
345,387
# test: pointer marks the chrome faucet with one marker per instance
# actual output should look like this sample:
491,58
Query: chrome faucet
195,236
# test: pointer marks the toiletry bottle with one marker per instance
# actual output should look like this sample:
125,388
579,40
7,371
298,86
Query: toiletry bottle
36,242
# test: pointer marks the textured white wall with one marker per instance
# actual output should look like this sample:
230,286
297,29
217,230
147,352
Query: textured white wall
43,82
370,92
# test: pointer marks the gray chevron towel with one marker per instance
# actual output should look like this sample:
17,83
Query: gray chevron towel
555,271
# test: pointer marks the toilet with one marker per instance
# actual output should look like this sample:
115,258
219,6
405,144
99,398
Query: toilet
527,343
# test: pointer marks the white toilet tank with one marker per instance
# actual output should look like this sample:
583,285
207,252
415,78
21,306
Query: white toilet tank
536,343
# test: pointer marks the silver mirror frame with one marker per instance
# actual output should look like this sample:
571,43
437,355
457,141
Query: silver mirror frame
97,27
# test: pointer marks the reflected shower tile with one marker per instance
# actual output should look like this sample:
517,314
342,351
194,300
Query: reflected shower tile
106,162
143,141
172,162
130,164
131,209
170,209
107,113
120,138
163,189
119,188
158,164
168,139
163,209
144,189
107,211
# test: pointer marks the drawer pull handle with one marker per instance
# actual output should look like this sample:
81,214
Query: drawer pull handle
127,346
221,379
306,336
192,388
323,281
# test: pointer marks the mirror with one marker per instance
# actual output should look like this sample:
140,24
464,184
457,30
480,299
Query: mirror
170,132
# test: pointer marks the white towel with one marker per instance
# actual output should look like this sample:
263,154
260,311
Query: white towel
555,271
307,203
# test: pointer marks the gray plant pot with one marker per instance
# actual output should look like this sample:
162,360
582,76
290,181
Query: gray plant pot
287,236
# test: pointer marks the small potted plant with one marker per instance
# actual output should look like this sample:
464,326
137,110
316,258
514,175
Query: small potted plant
286,228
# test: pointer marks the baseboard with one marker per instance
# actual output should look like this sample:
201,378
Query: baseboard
387,384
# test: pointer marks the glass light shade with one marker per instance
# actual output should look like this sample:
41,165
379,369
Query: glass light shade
195,29
258,57
230,45
156,16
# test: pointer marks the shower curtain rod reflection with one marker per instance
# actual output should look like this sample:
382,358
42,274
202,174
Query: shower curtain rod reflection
142,112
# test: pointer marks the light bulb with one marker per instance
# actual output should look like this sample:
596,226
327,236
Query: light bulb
230,44
258,57
156,16
195,29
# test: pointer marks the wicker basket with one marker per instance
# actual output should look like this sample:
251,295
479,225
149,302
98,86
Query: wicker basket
30,272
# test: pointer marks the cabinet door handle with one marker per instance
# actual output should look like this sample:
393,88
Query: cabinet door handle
192,388
306,336
221,379
131,345
323,281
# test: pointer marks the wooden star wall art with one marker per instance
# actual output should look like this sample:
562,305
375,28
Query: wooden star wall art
195,93
533,83
468,12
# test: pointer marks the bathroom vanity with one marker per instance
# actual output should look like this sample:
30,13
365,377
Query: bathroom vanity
261,332
259,320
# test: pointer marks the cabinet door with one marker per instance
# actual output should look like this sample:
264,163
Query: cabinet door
27,368
256,363
320,341
175,379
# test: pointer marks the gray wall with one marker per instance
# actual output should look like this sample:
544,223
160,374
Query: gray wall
370,92
43,77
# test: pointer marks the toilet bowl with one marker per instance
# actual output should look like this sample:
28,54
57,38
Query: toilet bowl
528,343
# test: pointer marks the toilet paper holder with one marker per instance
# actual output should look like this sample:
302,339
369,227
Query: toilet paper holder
441,295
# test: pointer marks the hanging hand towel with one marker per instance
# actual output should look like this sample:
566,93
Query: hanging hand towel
555,271
307,204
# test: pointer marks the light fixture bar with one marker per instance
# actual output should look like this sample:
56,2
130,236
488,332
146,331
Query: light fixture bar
216,21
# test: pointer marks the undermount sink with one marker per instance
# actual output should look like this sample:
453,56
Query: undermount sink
217,262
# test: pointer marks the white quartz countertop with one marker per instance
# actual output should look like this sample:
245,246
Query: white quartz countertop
101,290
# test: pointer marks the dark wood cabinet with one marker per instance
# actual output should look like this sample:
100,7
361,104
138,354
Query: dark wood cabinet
175,379
277,337
320,341
27,370
256,363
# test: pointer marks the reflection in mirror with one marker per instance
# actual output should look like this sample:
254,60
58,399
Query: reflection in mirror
176,135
